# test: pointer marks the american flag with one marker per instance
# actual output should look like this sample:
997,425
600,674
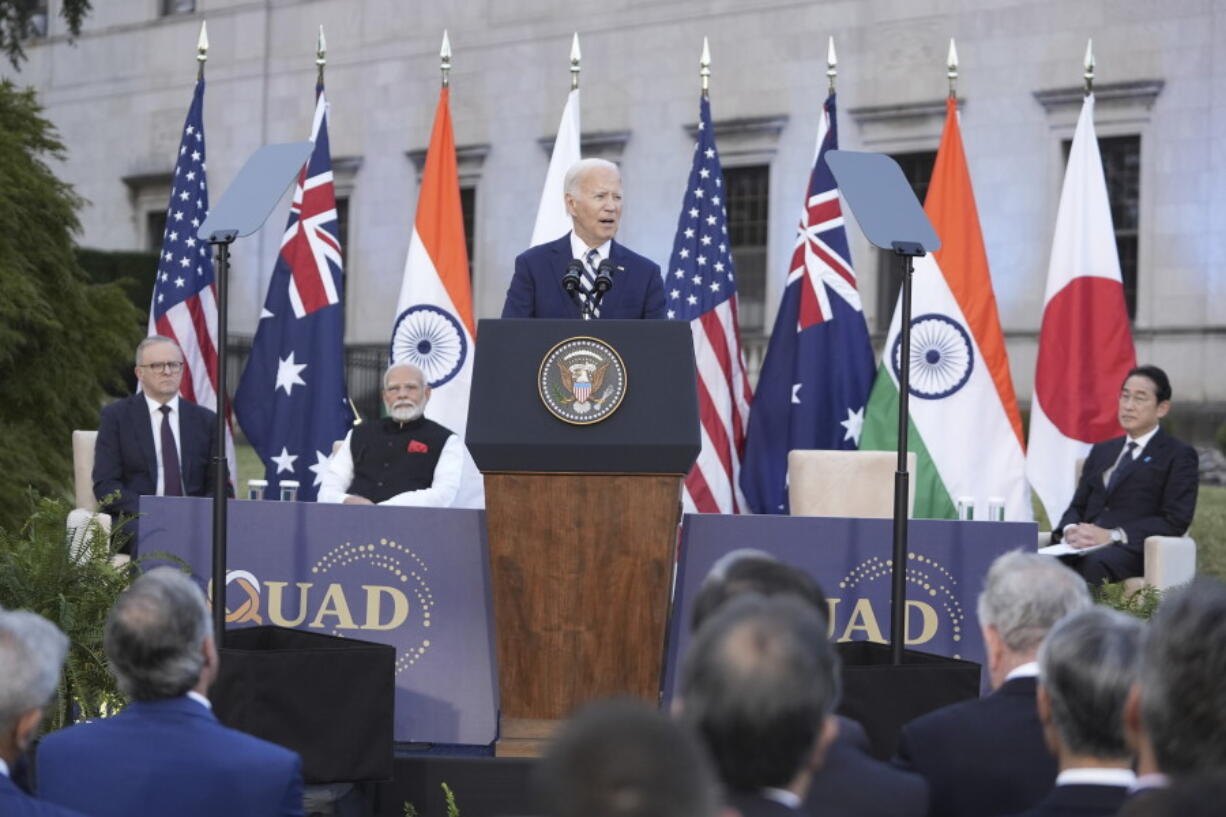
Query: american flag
818,370
291,399
700,285
184,305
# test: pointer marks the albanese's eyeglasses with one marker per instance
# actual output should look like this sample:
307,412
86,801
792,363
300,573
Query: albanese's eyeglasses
167,367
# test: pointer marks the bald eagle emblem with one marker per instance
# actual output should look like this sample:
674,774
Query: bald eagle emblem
582,380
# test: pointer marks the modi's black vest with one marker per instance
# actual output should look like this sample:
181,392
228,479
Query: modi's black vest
390,458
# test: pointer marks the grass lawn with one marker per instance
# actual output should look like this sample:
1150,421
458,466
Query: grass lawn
1208,528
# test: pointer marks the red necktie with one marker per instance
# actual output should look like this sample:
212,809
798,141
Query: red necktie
171,479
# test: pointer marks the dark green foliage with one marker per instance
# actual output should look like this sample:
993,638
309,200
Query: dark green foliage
1220,437
1140,603
134,271
38,573
15,23
62,339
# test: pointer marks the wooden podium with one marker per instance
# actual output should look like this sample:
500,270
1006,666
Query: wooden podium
581,519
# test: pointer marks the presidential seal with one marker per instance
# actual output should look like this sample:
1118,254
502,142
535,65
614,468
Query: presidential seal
582,380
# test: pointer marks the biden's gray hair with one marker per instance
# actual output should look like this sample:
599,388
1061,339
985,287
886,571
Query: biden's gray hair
1025,594
1183,679
1087,665
570,184
32,652
155,634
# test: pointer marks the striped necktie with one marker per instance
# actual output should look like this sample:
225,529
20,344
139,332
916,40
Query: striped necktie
589,279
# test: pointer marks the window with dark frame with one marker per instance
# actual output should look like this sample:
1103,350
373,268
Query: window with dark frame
468,212
36,29
1121,157
748,202
917,167
155,229
172,7
342,235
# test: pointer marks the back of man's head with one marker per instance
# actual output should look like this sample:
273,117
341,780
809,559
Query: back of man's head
753,571
32,652
1087,666
621,759
1024,595
155,635
1183,679
758,683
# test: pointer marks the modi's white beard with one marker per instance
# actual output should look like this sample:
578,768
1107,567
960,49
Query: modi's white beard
404,412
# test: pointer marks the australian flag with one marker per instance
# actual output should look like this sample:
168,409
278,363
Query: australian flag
818,370
291,399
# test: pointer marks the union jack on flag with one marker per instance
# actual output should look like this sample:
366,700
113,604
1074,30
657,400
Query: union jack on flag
700,287
184,305
291,400
819,367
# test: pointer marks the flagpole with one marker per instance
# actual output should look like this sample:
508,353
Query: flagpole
444,55
832,64
1089,68
321,56
574,61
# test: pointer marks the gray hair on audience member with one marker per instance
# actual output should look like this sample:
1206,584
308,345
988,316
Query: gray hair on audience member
1087,665
32,652
1183,679
570,184
620,758
155,633
1025,594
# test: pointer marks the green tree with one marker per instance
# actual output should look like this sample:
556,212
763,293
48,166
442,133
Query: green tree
16,18
62,339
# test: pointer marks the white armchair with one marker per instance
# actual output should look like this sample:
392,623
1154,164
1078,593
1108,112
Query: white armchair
845,483
83,488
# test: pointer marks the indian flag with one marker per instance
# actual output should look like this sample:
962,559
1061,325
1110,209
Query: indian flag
964,425
434,315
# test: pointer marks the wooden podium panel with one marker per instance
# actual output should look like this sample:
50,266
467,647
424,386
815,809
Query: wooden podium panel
581,566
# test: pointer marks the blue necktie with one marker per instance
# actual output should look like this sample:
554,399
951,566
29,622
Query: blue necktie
1124,466
589,279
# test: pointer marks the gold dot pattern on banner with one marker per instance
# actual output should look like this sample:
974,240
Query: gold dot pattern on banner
402,563
935,582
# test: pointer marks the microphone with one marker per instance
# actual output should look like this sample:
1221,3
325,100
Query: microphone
604,277
573,276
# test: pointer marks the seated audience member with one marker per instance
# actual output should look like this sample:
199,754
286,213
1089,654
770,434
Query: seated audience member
401,459
851,782
1087,666
620,758
1135,486
1176,714
32,652
759,682
165,754
987,756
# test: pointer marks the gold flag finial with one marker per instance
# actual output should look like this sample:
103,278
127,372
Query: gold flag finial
704,66
575,56
951,68
444,54
321,54
832,63
1089,66
202,49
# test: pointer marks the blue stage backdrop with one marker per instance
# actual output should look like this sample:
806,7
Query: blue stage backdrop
850,558
415,578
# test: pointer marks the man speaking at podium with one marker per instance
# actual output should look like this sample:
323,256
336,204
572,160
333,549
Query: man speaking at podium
585,273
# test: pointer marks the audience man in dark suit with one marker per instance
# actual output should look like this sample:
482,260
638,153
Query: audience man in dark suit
154,442
622,759
758,684
32,652
850,783
1176,713
166,754
987,757
1087,665
1135,486
594,201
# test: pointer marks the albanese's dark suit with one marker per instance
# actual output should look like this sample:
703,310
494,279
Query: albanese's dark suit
1080,800
16,803
1155,497
125,458
168,757
983,757
536,288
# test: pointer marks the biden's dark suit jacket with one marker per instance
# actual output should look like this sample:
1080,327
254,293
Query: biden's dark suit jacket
983,757
125,458
536,288
1080,801
16,803
167,757
1157,497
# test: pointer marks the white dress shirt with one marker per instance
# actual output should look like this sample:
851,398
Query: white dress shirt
155,419
338,476
578,249
1123,778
